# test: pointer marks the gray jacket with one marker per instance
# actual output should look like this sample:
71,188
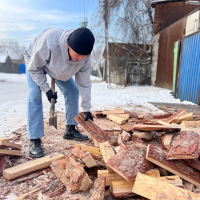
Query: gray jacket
49,53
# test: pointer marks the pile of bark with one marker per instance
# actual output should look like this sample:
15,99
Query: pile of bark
149,156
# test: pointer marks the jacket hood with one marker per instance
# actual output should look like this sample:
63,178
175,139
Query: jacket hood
64,45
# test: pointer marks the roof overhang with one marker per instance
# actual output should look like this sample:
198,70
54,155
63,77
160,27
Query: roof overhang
154,2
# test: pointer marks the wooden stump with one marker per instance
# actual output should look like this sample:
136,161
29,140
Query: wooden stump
129,161
95,131
72,174
184,146
158,156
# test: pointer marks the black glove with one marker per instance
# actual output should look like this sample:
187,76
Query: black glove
50,96
88,115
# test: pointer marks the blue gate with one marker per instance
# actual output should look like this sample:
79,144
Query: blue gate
189,76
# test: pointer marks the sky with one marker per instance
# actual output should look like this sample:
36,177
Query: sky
23,20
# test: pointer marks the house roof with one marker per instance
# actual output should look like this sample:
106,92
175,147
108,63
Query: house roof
153,2
3,58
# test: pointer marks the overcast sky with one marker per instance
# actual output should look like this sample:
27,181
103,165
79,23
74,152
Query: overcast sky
22,20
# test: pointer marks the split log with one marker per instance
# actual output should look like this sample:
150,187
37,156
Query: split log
107,152
185,117
3,139
129,161
4,164
120,141
117,149
143,127
157,156
113,132
140,116
72,174
98,114
195,163
123,116
4,144
117,111
90,149
28,167
174,116
127,127
84,156
144,135
167,140
174,180
95,131
163,172
4,152
191,124
117,119
98,190
160,122
126,136
155,189
184,146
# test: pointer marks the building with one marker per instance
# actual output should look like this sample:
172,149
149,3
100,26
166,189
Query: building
176,23
128,64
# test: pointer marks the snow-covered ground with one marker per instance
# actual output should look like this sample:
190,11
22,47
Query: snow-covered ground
14,90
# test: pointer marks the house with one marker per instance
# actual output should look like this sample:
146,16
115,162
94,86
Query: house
4,58
176,48
128,64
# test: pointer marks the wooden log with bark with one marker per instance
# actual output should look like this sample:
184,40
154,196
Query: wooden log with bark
184,146
129,161
84,156
191,124
126,136
155,189
72,174
127,127
5,144
157,155
98,190
4,163
195,163
144,135
95,131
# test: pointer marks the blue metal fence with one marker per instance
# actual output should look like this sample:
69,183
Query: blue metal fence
189,77
22,69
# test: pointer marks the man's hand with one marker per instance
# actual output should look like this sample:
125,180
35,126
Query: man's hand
88,115
50,96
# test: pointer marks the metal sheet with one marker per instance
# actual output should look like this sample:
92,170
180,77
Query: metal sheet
168,37
189,80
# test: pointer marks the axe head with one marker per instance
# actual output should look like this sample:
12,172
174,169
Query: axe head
53,121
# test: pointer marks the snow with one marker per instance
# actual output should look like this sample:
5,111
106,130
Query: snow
14,90
3,58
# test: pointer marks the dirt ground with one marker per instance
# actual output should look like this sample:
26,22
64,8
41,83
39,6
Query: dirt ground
51,187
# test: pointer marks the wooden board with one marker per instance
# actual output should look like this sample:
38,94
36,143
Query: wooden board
90,149
174,116
117,111
31,166
174,180
127,127
117,119
144,134
123,116
186,117
95,131
107,152
191,124
160,122
143,127
129,161
184,146
167,140
5,144
157,156
4,152
155,189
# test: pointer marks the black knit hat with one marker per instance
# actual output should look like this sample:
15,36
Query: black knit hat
81,41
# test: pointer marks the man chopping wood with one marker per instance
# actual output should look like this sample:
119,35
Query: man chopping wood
61,54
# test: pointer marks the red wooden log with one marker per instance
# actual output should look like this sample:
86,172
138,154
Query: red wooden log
95,131
195,163
184,146
158,155
129,161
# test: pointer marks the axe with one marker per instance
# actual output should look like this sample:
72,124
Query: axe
52,119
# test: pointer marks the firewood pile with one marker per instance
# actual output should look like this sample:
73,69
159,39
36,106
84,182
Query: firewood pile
151,156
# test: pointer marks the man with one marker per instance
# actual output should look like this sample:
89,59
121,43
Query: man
60,54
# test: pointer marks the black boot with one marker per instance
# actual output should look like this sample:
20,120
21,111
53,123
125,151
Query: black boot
72,133
35,150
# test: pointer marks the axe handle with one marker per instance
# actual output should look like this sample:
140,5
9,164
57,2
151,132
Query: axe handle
52,108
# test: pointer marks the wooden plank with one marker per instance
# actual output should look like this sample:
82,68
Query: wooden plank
28,167
120,141
186,117
127,127
174,116
140,116
174,180
116,119
143,127
90,149
107,152
184,146
117,111
191,124
160,122
95,131
6,144
144,135
114,132
155,189
167,140
129,161
10,152
126,136
157,156
123,116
